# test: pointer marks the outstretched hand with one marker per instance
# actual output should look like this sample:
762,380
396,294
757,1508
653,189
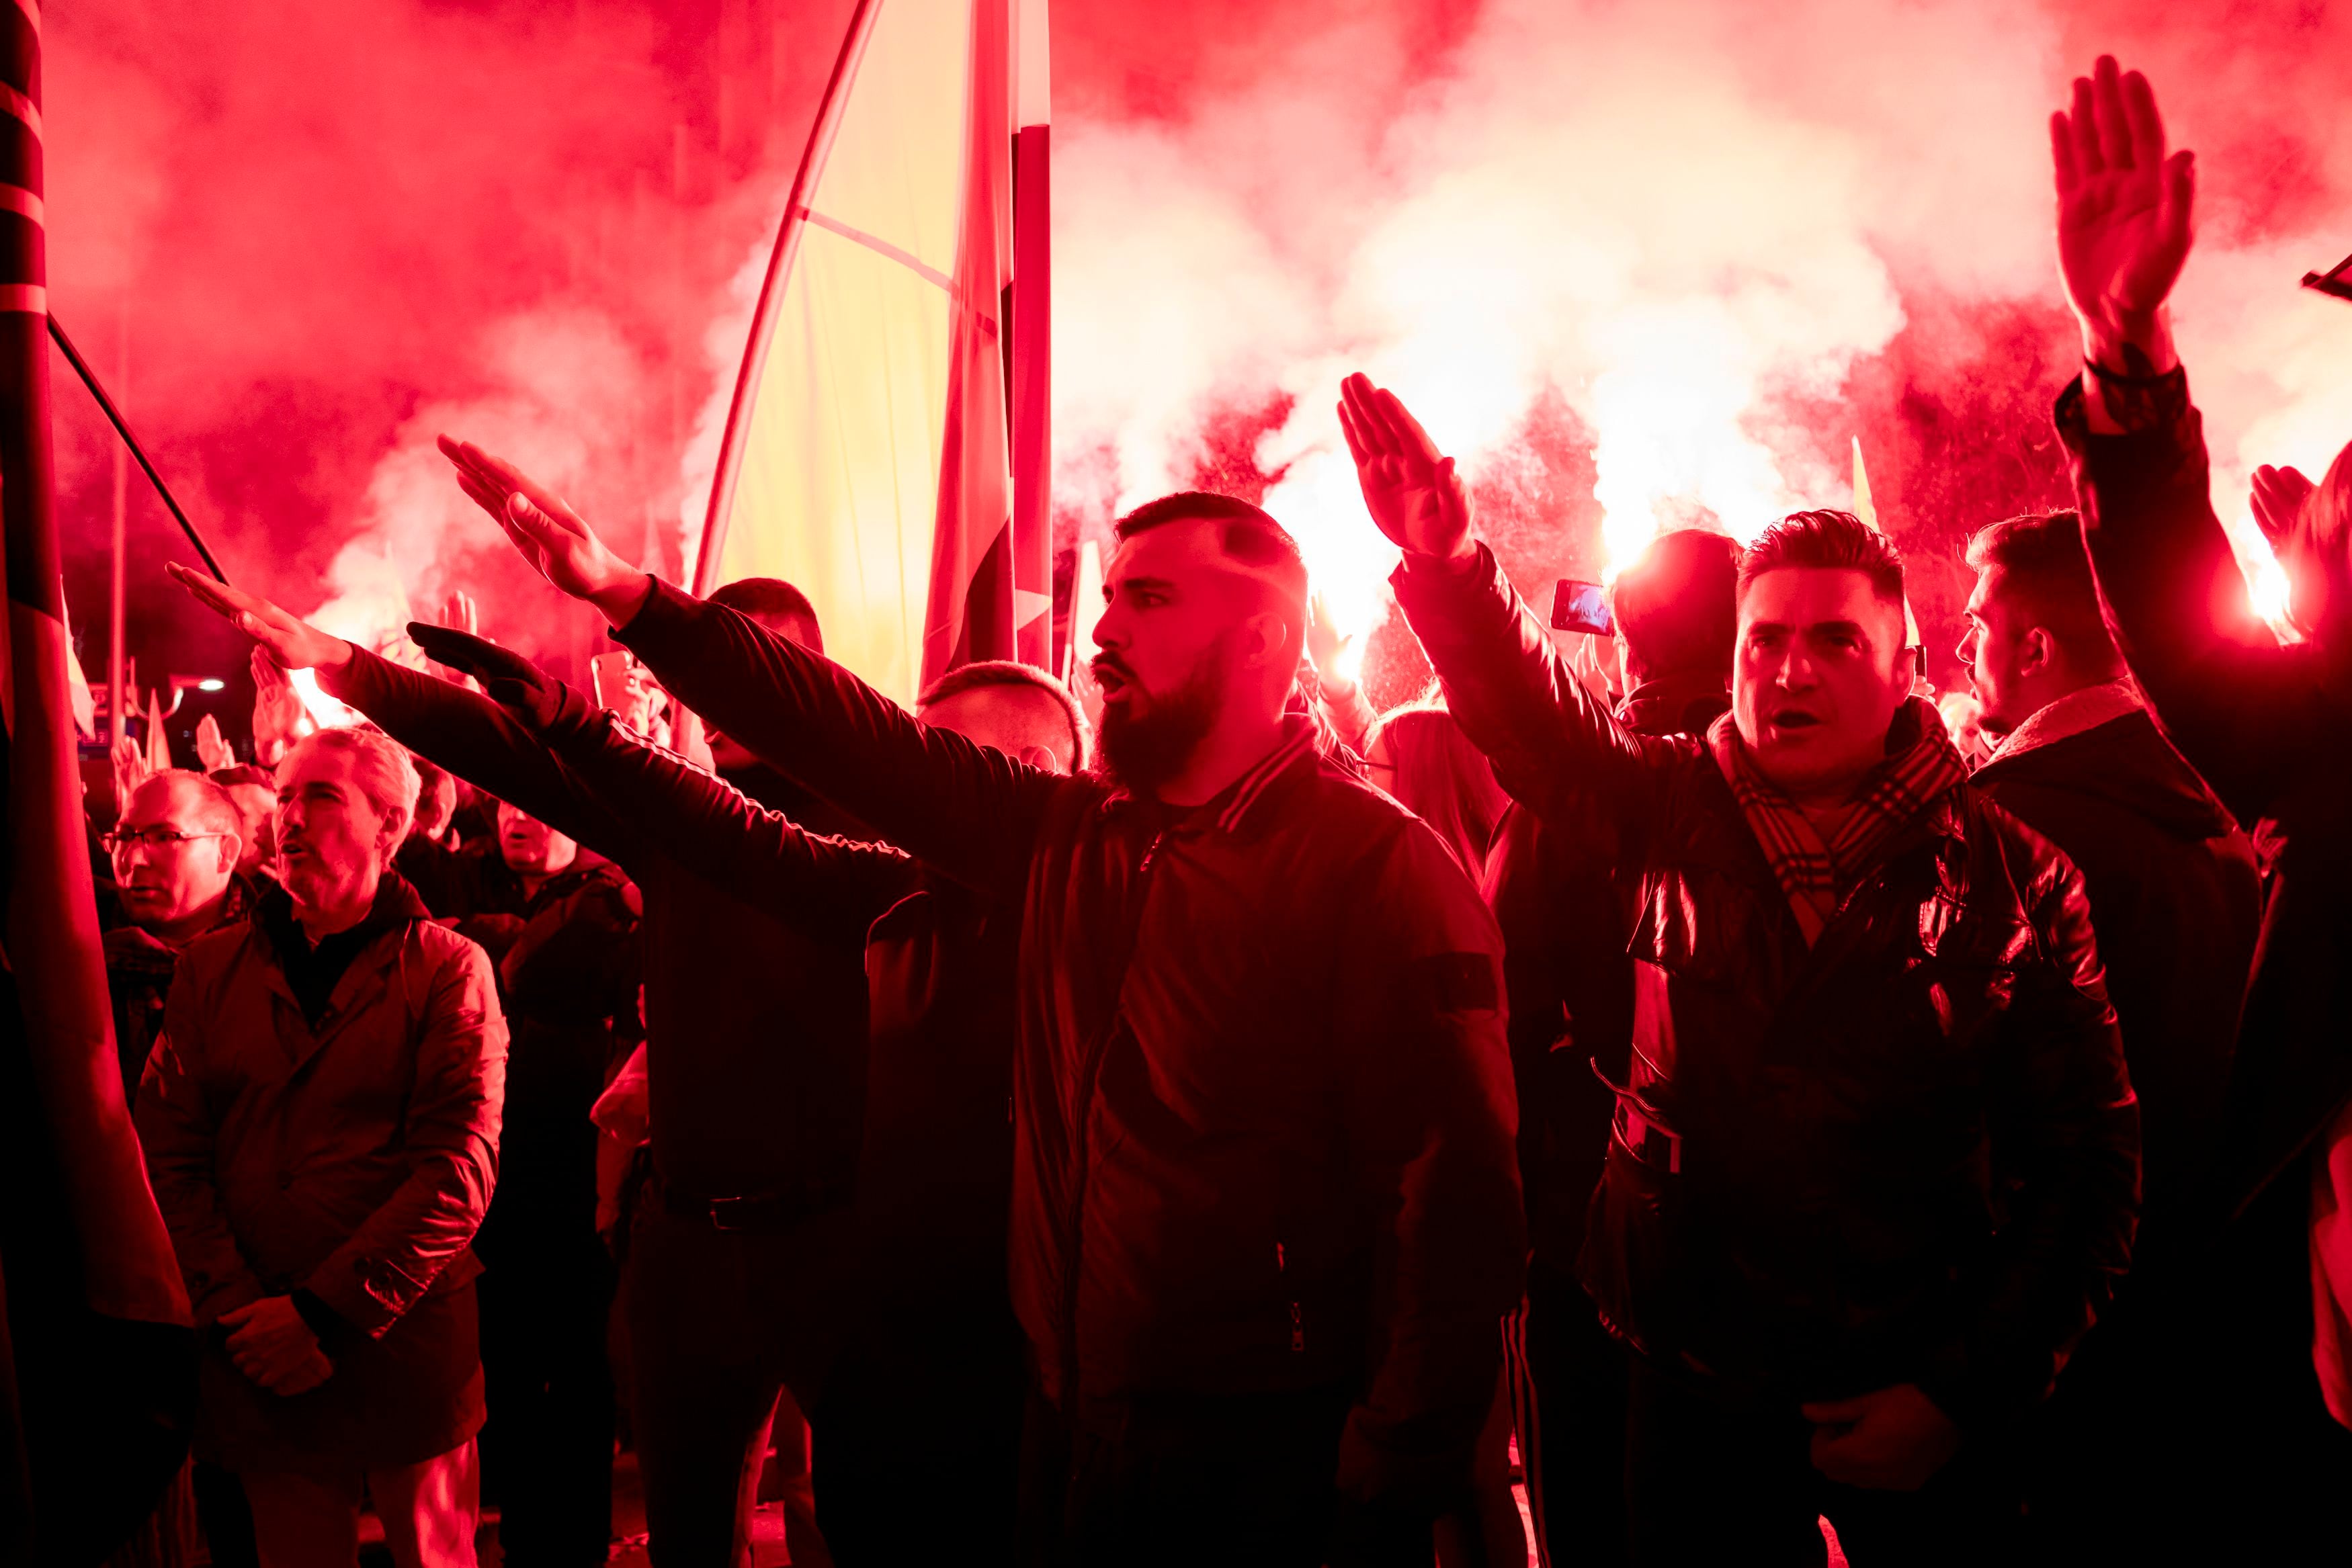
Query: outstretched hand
2124,207
1412,491
511,680
2278,498
294,644
1327,650
553,538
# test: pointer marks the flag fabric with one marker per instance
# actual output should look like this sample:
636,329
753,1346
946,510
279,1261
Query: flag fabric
98,1387
885,442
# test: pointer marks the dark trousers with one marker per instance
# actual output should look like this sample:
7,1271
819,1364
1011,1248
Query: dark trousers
1709,1482
547,1445
1160,1481
718,1322
918,1434
1572,1442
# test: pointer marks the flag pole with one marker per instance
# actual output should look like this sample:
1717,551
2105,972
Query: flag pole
114,417
118,592
1030,404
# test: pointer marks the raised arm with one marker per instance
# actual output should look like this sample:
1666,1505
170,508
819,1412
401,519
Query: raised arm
2240,707
818,883
2067,1146
1431,1117
452,1143
441,721
1553,745
966,809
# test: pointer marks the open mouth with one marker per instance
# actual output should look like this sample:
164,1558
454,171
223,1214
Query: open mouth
1108,680
1794,718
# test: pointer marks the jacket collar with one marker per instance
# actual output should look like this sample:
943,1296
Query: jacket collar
1231,806
2069,716
1679,701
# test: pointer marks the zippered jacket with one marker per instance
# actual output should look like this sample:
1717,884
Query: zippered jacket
1262,1105
1908,1152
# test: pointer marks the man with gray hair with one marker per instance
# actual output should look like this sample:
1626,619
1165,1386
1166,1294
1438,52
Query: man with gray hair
320,1118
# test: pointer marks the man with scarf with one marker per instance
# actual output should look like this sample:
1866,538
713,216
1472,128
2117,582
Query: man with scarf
1875,1162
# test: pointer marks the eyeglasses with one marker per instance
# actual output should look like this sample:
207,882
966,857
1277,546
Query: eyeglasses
154,839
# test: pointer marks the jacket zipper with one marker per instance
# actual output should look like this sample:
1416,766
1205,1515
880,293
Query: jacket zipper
1089,1073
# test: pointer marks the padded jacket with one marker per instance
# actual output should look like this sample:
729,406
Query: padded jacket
1906,1153
1262,1102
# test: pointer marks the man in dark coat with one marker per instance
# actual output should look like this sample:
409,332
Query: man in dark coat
321,1120
2269,726
561,923
2129,1443
1554,893
1876,1162
755,1127
1266,1217
930,1381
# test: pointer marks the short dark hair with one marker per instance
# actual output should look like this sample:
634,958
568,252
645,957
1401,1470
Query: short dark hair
771,599
1012,673
1678,605
2043,564
244,773
1250,535
1826,540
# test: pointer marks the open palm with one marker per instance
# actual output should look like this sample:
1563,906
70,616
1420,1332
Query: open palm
1412,492
540,524
2124,204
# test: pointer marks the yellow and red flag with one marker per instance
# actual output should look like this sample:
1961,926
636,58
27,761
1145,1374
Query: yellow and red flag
886,449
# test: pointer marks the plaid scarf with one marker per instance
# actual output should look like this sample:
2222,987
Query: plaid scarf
1816,873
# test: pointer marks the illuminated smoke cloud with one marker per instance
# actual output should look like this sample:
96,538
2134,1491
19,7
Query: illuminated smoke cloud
1728,237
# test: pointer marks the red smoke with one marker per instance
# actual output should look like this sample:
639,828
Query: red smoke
1558,225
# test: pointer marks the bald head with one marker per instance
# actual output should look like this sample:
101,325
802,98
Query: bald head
175,847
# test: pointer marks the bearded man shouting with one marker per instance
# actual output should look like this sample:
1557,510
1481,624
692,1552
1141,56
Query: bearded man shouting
1265,1207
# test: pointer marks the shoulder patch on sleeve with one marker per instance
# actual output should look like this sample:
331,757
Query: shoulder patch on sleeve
1458,982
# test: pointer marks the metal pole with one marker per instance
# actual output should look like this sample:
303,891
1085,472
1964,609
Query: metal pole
118,586
114,417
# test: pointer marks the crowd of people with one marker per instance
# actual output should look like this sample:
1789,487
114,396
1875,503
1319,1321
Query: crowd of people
1230,1134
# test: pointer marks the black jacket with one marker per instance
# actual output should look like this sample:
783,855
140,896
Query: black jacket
2271,729
934,1172
1570,985
1262,1105
1905,1153
741,1114
2176,901
567,959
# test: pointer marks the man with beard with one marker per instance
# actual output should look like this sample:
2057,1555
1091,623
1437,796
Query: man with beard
1876,1160
1266,1215
755,1124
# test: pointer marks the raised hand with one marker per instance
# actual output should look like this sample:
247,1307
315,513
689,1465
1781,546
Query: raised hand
509,679
278,714
1410,491
212,748
553,537
129,758
2278,498
1327,652
461,612
2124,215
294,643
